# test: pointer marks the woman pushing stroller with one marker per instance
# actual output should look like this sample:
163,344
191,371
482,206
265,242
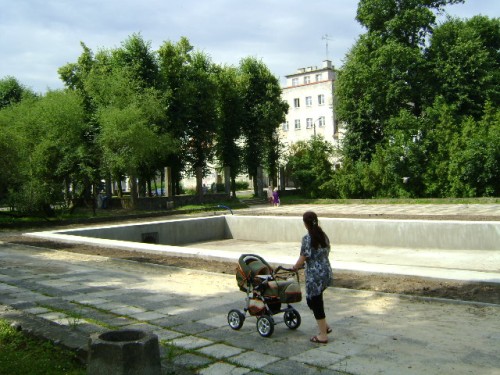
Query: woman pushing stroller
314,252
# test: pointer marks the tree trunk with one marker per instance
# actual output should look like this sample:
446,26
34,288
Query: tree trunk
133,192
199,182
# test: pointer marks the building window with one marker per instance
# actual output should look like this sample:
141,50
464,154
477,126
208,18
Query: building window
296,102
321,122
318,77
321,99
309,123
295,81
309,101
285,126
307,80
297,124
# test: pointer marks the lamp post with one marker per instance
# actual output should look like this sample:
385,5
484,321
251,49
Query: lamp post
314,125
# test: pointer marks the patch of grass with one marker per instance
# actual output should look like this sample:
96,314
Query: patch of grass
87,215
23,355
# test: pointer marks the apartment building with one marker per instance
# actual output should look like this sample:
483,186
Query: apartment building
310,95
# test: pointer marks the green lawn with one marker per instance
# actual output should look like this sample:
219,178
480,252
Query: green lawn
20,355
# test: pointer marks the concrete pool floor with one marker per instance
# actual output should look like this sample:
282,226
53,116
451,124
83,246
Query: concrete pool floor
482,266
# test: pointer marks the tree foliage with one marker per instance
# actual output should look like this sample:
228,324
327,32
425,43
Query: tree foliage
413,96
310,165
131,111
230,116
264,111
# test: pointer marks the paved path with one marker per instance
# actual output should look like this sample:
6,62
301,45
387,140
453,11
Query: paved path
66,297
373,333
473,211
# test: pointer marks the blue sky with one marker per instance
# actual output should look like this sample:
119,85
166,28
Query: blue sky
39,36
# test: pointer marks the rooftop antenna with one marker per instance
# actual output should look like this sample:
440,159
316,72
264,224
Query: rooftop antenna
327,38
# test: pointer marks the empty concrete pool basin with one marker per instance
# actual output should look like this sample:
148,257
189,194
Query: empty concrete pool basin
362,241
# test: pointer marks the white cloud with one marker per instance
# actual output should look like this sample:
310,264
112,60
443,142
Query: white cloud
39,36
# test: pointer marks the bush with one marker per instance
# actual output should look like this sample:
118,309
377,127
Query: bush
242,185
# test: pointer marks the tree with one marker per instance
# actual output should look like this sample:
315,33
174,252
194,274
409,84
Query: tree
141,62
310,165
129,139
11,155
384,71
122,92
475,157
174,61
131,136
51,156
464,62
264,111
11,92
228,147
201,108
377,81
406,21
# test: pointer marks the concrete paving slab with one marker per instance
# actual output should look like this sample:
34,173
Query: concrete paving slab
220,351
147,315
37,310
191,360
223,369
191,342
317,357
167,335
125,310
254,360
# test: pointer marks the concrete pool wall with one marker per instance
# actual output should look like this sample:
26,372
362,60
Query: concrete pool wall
412,234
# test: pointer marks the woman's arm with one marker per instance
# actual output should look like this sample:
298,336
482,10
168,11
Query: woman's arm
300,263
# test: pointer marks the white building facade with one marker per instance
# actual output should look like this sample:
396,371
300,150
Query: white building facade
310,94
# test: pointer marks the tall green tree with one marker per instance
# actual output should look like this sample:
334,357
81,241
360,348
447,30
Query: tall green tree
384,71
464,64
310,165
230,116
11,157
475,157
12,91
141,61
122,92
174,64
75,77
264,111
201,108
51,156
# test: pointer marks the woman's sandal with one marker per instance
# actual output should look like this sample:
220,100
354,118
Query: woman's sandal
318,341
328,330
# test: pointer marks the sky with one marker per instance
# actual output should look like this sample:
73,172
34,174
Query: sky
39,36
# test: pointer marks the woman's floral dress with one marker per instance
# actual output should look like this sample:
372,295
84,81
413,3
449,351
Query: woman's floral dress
319,273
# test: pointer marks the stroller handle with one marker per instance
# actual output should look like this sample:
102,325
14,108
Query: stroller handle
279,268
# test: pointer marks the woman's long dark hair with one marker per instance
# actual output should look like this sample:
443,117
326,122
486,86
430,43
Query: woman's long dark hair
318,237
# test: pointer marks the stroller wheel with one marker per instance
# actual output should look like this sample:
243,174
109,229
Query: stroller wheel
265,325
235,319
292,319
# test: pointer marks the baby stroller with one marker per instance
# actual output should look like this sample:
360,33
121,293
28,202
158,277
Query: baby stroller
266,290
